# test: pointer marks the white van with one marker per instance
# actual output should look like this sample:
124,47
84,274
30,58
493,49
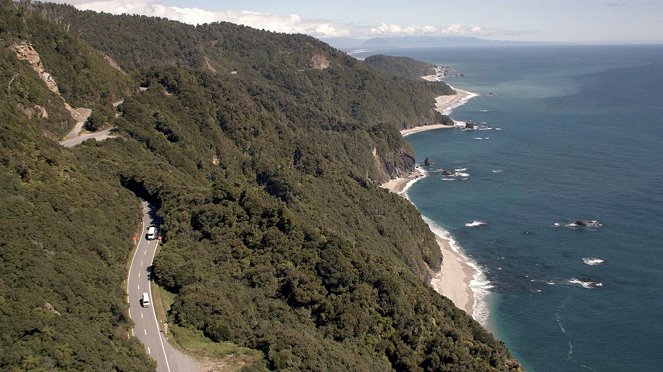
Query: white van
145,300
151,233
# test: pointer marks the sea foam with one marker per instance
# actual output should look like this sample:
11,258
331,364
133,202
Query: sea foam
449,109
592,261
585,284
423,173
475,223
480,285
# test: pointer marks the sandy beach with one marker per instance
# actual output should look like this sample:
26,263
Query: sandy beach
453,280
423,128
444,105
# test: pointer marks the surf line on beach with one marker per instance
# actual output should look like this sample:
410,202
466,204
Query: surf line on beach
460,278
444,105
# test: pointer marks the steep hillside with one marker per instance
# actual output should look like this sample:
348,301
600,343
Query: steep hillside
405,67
261,152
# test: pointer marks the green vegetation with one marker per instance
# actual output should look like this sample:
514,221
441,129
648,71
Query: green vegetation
278,245
404,67
408,68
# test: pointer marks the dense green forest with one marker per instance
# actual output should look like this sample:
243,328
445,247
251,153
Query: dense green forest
405,67
408,68
262,153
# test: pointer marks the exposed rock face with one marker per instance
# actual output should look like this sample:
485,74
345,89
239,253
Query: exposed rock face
209,66
115,65
404,164
50,308
26,52
427,162
320,62
400,165
36,111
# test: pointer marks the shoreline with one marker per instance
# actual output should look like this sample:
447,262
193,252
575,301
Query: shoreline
458,273
444,105
455,277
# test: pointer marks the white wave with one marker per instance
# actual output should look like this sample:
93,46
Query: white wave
475,223
448,179
478,138
460,170
590,224
480,285
498,128
470,95
423,173
484,110
585,284
498,170
462,174
592,261
486,128
556,224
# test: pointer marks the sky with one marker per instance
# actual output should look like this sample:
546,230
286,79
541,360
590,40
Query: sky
575,21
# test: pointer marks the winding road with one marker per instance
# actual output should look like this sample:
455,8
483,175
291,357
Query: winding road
146,326
99,136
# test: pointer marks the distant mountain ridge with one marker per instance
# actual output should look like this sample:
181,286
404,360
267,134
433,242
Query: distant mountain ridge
425,42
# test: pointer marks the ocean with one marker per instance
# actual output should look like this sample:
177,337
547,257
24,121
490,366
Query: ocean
569,133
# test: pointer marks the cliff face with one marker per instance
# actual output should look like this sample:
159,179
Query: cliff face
276,238
26,52
400,165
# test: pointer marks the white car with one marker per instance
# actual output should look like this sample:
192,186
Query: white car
145,300
151,233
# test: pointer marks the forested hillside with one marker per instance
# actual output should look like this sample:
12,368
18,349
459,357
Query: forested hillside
262,153
405,67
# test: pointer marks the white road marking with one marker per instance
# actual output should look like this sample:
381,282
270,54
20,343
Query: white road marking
141,315
139,275
138,287
152,253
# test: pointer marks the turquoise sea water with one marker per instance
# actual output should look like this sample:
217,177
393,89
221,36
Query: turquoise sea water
581,138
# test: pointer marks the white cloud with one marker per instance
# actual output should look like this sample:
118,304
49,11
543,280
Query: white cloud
272,22
427,30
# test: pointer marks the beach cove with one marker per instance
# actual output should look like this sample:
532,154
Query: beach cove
455,277
561,296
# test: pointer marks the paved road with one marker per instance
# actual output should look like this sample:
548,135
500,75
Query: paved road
80,115
146,327
99,136
74,137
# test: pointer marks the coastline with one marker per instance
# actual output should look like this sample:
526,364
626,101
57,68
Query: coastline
457,275
444,105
